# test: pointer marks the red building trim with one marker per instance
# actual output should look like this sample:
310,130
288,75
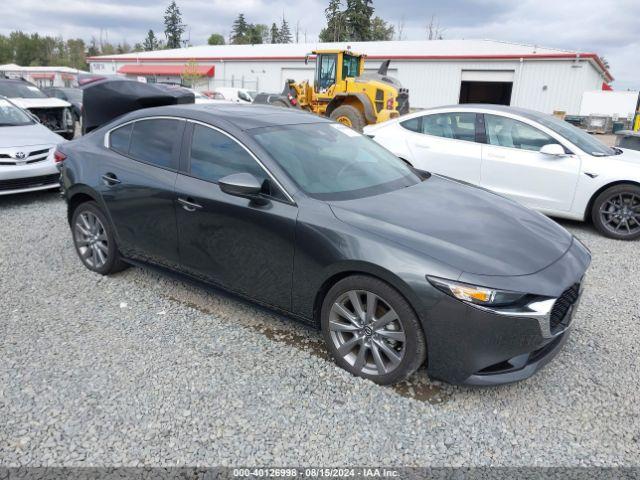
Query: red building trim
528,56
166,70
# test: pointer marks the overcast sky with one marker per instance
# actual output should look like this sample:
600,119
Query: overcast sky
608,28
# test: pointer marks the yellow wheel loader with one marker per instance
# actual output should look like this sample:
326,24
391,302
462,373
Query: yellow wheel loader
343,92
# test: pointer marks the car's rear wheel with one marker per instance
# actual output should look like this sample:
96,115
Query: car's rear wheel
371,330
94,240
616,212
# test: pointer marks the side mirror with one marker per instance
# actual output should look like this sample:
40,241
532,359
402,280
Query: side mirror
242,185
553,149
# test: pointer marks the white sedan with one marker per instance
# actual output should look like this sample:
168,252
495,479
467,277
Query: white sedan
542,162
26,152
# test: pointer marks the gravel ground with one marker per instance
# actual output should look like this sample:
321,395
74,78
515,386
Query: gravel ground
140,369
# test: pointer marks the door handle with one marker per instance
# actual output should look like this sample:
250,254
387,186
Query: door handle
189,204
496,156
426,146
110,179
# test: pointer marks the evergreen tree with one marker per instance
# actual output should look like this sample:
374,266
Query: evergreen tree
275,33
258,33
173,26
358,19
285,33
239,31
381,30
335,30
151,42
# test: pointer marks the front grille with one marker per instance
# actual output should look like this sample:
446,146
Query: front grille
31,182
558,319
31,157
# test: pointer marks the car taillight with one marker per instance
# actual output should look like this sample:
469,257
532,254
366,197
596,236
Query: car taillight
390,104
59,157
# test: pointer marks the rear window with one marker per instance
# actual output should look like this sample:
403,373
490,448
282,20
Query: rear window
119,139
153,141
20,90
412,124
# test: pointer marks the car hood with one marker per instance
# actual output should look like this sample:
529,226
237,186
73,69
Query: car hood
627,156
48,102
469,228
26,135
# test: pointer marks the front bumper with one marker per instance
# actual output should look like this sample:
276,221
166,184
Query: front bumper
36,170
470,345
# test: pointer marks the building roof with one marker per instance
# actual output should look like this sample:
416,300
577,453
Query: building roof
12,67
395,50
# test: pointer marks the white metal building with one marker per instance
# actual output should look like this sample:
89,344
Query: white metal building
435,72
43,76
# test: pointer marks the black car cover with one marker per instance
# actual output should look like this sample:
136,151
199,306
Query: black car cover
106,99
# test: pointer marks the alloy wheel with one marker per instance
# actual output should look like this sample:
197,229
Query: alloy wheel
367,333
620,214
91,240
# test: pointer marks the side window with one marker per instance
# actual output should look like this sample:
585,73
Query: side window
457,126
214,155
350,66
119,139
507,132
153,141
413,124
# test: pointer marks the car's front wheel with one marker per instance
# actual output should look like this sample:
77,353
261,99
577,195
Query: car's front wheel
94,240
616,212
371,330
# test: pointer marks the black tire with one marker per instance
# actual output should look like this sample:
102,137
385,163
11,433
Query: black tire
354,116
414,350
626,225
114,262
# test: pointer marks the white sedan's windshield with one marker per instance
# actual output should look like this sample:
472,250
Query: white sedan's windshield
330,161
585,142
12,116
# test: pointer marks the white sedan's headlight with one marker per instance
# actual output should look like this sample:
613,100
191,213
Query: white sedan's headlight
474,294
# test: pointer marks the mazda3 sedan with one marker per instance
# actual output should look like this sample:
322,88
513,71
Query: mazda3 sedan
396,266
539,160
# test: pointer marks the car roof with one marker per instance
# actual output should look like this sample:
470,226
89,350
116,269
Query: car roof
523,112
243,117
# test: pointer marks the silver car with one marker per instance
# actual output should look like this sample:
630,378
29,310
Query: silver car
26,152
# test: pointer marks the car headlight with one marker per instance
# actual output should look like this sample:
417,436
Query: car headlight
476,295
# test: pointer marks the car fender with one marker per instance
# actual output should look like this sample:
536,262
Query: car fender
596,177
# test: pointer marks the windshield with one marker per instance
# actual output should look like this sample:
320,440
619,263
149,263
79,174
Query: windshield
74,95
20,90
579,138
330,161
12,116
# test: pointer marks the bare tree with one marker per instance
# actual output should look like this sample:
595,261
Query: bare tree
434,31
400,29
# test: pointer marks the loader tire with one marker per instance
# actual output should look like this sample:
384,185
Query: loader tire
349,116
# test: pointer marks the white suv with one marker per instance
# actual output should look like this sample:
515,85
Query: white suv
543,162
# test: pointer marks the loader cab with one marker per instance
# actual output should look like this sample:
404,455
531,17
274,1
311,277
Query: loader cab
333,67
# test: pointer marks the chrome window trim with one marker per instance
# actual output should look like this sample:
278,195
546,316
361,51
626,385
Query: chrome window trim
251,154
107,135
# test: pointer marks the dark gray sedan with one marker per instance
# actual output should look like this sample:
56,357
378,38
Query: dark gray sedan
314,220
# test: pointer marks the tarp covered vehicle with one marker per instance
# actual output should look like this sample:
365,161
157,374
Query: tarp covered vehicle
106,99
